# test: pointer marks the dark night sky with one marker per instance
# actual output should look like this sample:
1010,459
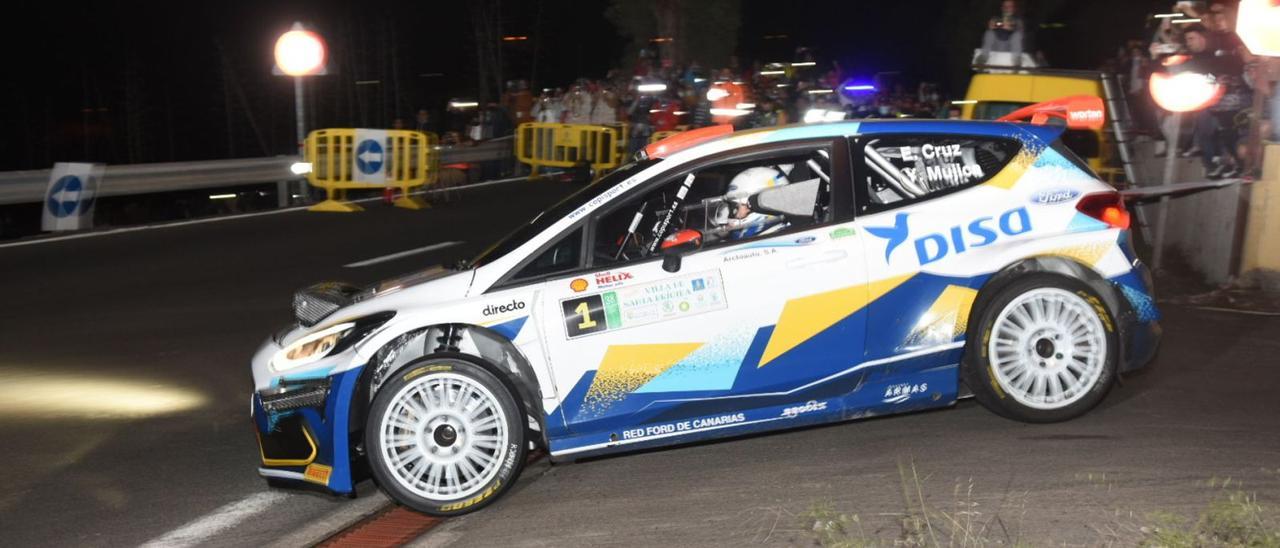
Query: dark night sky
191,80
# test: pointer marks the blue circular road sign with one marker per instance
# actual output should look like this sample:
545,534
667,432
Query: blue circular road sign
369,157
64,196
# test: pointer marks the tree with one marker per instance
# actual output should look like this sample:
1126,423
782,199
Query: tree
704,30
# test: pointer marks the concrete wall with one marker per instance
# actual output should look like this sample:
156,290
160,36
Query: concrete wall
1260,256
1204,229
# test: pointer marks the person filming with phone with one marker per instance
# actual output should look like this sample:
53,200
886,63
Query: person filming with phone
1005,32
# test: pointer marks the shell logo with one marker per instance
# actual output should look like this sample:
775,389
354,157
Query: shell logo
578,285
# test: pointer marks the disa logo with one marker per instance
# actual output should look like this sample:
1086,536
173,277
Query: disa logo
980,232
503,308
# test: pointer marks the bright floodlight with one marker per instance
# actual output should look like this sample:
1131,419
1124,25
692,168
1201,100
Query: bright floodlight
300,168
300,52
1184,92
716,94
1258,24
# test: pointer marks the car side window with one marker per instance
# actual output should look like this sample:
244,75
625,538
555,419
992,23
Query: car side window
901,169
564,255
718,204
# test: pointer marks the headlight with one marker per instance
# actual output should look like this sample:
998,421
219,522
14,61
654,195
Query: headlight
316,346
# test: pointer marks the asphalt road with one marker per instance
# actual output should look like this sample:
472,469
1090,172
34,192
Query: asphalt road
124,376
124,408
1166,441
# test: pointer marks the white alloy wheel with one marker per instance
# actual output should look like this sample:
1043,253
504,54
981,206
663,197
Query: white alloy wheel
444,436
1047,348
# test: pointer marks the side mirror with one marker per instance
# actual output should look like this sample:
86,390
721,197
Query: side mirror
678,245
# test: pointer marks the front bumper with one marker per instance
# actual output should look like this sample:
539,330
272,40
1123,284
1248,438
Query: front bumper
304,431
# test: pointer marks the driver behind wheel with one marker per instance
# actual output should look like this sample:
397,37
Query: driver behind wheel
734,214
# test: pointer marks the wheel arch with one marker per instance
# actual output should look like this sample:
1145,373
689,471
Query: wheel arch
1067,267
485,347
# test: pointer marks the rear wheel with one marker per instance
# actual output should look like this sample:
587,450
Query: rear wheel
445,437
1045,350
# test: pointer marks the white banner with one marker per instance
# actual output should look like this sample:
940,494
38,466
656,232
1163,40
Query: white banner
370,157
70,196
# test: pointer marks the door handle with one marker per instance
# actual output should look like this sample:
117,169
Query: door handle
826,257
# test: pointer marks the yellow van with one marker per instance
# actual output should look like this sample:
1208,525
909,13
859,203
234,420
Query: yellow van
994,94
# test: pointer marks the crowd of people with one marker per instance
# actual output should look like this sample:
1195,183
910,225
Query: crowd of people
658,97
1201,39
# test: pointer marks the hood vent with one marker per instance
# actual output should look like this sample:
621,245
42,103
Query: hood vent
315,303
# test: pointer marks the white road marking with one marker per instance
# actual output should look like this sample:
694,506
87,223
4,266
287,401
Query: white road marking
217,521
401,254
53,239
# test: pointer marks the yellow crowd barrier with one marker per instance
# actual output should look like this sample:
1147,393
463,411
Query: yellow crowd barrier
381,159
660,135
542,144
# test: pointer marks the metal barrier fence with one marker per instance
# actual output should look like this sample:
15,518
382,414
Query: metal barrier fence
660,135
346,158
541,144
28,186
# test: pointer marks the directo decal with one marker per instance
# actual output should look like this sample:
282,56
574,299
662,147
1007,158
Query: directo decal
503,308
979,232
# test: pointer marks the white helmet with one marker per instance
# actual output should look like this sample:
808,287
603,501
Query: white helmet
743,186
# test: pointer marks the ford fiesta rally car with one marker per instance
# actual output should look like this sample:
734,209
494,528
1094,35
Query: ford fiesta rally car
895,266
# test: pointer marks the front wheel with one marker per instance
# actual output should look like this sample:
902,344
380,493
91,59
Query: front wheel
445,436
1045,351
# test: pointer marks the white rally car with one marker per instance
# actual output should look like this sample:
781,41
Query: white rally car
724,283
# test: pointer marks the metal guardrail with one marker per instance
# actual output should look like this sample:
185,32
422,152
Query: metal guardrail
17,187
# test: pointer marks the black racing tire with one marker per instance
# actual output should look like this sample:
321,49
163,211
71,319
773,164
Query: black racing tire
1007,376
418,407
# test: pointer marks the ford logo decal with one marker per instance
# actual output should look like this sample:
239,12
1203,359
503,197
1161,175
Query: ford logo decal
1050,197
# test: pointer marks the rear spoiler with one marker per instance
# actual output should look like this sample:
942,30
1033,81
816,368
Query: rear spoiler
1078,111
1142,194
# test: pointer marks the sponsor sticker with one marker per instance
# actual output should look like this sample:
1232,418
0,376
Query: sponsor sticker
497,309
843,232
683,426
317,473
809,407
899,393
1056,196
608,279
643,304
979,232
578,285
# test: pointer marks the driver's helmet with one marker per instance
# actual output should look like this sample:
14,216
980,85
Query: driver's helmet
734,213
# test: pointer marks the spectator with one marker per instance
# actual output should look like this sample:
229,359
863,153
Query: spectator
1005,32
1215,128
424,123
1168,38
518,101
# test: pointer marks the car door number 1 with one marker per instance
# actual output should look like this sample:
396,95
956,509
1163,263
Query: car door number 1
584,315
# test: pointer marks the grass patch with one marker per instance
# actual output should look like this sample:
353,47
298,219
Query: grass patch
1233,519
961,523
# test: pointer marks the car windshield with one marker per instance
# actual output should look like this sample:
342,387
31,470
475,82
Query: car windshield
545,219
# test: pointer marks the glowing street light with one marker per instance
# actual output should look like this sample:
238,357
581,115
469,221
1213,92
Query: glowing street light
1258,24
1184,91
299,52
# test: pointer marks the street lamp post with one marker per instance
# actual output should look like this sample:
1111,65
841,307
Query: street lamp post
1177,93
299,52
